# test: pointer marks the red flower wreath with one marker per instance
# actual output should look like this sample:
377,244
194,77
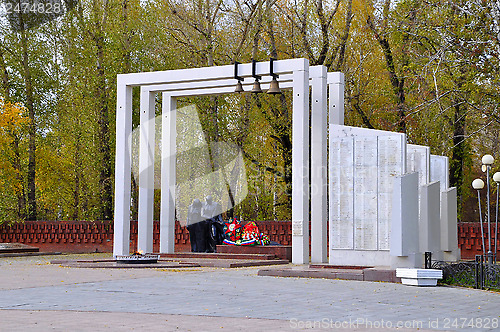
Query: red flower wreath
232,230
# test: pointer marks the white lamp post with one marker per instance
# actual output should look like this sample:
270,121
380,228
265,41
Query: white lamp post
496,178
487,161
478,184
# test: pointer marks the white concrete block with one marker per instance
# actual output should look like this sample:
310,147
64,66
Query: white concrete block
418,160
405,225
419,277
440,171
449,228
419,273
430,220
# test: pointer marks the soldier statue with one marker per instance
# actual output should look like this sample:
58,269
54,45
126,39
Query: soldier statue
197,227
211,212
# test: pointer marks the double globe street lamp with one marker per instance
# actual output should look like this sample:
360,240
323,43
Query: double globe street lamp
478,184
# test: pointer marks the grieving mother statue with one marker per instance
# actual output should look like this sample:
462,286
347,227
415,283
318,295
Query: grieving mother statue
211,212
197,227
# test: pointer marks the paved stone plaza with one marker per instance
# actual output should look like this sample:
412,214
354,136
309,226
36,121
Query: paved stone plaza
47,297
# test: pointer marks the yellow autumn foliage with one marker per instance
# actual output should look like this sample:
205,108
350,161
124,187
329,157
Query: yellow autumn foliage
12,118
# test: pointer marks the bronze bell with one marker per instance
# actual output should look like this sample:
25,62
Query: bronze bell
274,87
256,87
239,87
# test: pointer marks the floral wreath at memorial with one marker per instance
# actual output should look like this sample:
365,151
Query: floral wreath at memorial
248,235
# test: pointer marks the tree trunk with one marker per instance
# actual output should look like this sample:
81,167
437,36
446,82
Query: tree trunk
16,163
460,150
397,81
126,38
77,174
105,172
104,145
32,210
21,195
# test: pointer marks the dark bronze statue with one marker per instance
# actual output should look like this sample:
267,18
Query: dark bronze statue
211,212
197,227
205,226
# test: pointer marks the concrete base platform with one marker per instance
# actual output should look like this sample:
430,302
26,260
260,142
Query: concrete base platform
36,296
27,254
335,272
203,255
231,263
183,260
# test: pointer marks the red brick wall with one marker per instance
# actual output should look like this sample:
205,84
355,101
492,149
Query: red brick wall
470,241
64,236
278,231
88,236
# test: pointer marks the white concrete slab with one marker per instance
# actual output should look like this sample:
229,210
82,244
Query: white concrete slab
430,220
449,226
418,160
405,228
439,168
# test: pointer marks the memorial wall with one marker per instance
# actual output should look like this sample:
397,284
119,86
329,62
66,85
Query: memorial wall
363,165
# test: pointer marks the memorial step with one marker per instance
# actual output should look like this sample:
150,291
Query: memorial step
341,267
16,248
278,251
218,255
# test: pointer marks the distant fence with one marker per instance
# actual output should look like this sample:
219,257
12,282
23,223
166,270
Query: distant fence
91,236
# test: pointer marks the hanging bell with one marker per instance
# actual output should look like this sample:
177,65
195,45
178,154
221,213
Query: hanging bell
256,87
239,87
274,87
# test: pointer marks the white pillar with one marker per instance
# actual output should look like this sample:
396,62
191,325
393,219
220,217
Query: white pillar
300,165
336,93
123,164
168,172
146,172
319,217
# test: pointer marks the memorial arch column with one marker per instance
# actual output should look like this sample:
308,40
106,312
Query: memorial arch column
300,165
146,172
168,174
123,168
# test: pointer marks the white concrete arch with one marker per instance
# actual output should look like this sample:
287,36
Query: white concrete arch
294,74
